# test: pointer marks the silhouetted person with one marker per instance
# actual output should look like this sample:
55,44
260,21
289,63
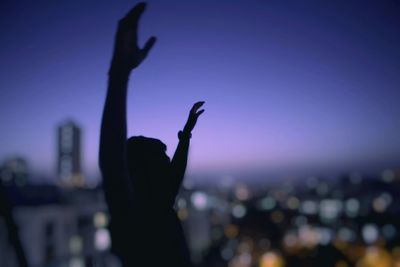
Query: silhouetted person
140,181
12,228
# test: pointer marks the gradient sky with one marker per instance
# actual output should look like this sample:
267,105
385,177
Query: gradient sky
288,84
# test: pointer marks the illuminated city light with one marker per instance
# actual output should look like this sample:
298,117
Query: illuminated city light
341,264
308,236
102,240
75,244
387,197
396,254
293,203
183,214
245,246
181,203
325,236
375,257
330,209
77,262
370,233
381,203
352,207
239,211
267,203
199,200
100,220
299,233
245,259
271,259
290,240
341,245
227,253
309,207
231,231
242,192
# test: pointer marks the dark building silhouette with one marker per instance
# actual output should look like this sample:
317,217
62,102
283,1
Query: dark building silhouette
14,171
69,154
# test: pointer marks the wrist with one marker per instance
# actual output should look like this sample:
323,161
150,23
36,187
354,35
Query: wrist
119,72
118,77
184,135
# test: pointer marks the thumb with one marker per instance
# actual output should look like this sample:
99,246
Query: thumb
149,44
199,113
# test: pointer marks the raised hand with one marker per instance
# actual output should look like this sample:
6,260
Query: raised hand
127,55
193,116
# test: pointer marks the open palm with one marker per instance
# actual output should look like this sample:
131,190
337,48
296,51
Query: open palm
127,54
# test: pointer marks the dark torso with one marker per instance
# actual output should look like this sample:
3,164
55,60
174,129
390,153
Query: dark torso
145,237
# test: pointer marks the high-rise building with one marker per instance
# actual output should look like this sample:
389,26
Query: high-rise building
69,154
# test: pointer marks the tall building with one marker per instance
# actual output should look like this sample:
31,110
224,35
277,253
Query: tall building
69,154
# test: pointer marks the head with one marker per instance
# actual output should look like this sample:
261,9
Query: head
147,162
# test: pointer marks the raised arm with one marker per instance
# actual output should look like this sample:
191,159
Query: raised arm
179,161
112,159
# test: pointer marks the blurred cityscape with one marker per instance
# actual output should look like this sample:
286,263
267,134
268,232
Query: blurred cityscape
351,220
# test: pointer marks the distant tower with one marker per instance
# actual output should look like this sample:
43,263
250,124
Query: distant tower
69,154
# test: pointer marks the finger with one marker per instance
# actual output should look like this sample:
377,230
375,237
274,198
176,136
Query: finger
197,105
149,44
199,113
132,18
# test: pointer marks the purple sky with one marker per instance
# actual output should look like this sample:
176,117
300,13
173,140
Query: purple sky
288,84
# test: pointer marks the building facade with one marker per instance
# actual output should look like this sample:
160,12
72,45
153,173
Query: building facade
69,155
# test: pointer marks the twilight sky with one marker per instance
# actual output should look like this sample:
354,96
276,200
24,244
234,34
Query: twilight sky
288,85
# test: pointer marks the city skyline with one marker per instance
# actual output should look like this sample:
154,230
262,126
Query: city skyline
287,86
